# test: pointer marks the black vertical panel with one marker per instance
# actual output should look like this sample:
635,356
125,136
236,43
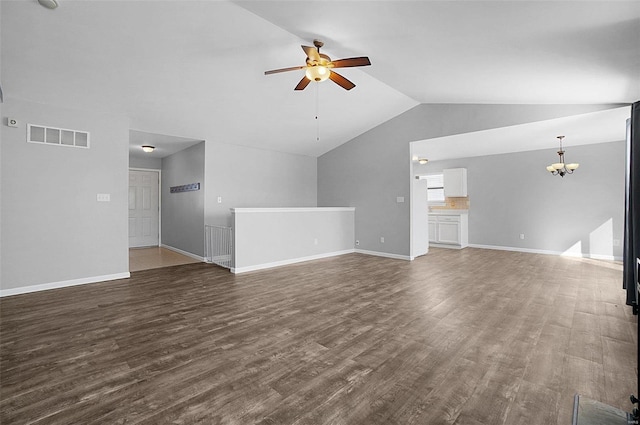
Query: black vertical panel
632,208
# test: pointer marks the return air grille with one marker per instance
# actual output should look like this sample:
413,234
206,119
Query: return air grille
57,136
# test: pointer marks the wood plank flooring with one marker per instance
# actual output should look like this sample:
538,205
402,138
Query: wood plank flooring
462,337
156,257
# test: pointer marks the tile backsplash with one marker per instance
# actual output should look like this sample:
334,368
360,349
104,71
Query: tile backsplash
453,204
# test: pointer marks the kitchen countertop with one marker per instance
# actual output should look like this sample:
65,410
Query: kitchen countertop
448,212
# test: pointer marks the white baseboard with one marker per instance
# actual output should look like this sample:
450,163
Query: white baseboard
186,253
263,266
547,252
62,284
446,245
600,257
385,254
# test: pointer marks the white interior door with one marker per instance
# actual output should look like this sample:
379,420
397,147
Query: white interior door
144,212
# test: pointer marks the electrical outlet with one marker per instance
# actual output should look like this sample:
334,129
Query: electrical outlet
357,242
219,199
521,235
381,239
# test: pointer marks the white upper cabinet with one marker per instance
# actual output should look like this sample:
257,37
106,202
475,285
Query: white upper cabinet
455,182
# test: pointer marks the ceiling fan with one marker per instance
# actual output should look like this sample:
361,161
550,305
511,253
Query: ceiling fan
319,67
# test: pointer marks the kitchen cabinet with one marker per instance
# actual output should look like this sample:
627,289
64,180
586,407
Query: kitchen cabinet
455,182
449,230
433,229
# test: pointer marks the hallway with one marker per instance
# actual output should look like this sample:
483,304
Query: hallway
156,257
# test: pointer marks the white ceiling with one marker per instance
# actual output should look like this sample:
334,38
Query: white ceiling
583,129
195,69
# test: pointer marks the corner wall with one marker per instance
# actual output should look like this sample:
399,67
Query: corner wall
183,212
54,231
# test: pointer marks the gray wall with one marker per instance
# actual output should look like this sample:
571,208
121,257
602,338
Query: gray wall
246,177
371,170
513,193
183,213
146,163
53,229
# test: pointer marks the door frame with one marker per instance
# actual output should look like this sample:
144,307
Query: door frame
159,198
418,211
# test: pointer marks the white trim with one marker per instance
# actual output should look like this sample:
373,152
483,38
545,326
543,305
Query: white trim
598,257
386,254
179,251
62,284
446,245
294,210
237,270
547,252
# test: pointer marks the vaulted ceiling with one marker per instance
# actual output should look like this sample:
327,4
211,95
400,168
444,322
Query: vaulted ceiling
195,69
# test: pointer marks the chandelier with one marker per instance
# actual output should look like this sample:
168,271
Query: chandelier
560,168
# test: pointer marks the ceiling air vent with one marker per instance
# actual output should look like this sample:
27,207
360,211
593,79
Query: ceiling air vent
57,136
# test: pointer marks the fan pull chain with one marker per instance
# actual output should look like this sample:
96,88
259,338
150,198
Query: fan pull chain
317,113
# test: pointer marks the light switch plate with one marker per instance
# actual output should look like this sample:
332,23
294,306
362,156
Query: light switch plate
104,197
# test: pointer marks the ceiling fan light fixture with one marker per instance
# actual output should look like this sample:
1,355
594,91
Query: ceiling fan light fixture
317,73
148,148
318,67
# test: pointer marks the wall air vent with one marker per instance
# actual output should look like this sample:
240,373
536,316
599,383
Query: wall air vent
57,136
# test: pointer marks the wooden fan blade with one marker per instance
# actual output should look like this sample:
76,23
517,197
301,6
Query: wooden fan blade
303,83
312,53
341,81
345,63
293,68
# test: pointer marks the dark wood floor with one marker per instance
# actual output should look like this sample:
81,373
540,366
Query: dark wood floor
460,337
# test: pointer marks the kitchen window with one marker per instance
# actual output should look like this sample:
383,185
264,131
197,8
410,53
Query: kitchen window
435,189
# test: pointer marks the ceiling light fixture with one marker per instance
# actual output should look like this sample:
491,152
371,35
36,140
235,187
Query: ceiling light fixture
560,168
422,161
317,73
49,4
148,148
